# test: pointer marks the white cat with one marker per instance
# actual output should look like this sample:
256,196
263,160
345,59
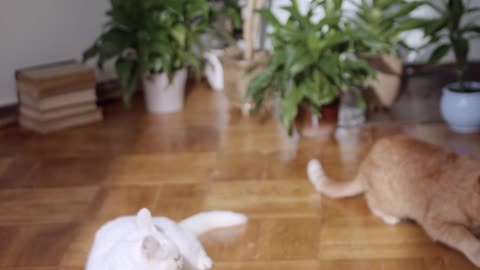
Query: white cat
158,243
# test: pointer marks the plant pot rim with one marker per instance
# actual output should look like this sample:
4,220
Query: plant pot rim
471,84
151,76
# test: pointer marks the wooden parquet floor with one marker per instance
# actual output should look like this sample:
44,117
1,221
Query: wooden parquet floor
56,190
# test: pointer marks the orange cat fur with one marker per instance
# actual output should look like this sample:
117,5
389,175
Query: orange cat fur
404,178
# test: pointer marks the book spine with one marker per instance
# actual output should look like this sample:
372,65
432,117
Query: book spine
57,125
27,89
57,102
56,90
28,100
56,114
85,75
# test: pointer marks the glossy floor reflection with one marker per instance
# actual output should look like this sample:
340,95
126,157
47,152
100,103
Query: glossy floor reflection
56,190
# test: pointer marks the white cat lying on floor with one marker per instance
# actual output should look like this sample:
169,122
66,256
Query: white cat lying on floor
158,243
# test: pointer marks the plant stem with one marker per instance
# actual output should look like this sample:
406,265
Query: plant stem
458,62
461,79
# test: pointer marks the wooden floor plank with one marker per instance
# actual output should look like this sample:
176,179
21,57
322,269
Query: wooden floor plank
44,206
57,190
151,170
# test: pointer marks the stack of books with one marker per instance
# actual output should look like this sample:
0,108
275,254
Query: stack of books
57,96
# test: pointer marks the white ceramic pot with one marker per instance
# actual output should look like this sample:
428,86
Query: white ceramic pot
461,110
164,96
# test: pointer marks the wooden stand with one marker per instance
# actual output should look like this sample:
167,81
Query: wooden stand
389,78
237,76
240,67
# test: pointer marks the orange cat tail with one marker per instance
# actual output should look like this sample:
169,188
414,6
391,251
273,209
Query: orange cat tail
329,187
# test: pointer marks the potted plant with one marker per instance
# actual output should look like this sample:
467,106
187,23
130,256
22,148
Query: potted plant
313,63
153,42
452,31
387,20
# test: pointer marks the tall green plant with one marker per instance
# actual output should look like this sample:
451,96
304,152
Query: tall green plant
387,19
451,31
147,37
312,62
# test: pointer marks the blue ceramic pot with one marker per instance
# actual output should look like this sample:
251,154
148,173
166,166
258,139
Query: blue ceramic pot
461,110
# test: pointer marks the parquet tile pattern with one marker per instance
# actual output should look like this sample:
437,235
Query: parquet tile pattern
56,190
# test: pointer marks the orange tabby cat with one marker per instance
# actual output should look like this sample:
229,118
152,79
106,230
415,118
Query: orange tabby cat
404,178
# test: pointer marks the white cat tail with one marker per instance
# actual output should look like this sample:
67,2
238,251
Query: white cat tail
207,221
328,187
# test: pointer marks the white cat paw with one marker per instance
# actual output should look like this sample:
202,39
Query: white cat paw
204,263
386,218
391,220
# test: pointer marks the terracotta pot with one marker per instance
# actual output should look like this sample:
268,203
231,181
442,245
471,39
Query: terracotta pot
389,77
236,79
310,125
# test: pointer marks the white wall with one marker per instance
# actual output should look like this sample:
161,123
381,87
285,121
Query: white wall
34,32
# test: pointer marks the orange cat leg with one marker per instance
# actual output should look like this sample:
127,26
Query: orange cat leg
455,236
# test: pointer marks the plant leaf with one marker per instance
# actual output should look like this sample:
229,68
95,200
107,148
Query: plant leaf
179,33
472,10
113,43
295,14
404,11
412,24
259,83
439,53
128,75
290,108
269,17
191,60
471,28
90,53
301,64
456,7
434,26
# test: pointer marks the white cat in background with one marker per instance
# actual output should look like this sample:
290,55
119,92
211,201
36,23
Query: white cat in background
156,243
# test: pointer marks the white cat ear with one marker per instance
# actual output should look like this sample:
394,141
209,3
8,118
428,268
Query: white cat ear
144,218
151,248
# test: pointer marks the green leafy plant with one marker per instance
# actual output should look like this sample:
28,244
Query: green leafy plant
147,37
387,19
312,62
451,31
